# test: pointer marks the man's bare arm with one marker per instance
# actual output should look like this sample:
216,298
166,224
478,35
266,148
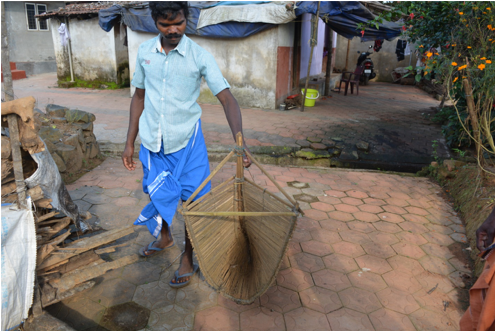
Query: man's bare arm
137,107
234,117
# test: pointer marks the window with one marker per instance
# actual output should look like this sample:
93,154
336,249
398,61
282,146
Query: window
33,23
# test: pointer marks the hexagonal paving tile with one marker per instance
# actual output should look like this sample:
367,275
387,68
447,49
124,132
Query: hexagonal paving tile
383,237
432,301
317,215
333,225
340,263
342,207
395,209
428,320
348,249
112,292
430,280
370,209
97,199
301,235
460,265
388,320
397,300
341,216
141,273
392,218
307,223
216,318
409,250
322,206
402,280
375,264
306,262
331,280
280,299
405,264
354,237
349,320
357,194
335,194
413,227
293,248
171,317
361,226
397,202
366,217
306,319
379,250
416,219
417,211
320,299
195,297
294,279
360,300
352,201
154,295
387,227
459,237
374,202
316,248
412,238
262,318
438,238
229,304
436,265
325,236
367,281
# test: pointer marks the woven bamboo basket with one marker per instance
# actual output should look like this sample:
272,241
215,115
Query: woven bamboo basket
240,232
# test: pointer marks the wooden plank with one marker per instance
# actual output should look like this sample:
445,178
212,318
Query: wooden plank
109,249
79,276
46,216
67,294
17,159
79,261
43,203
43,252
88,243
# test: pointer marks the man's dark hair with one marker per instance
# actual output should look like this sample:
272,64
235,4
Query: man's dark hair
168,9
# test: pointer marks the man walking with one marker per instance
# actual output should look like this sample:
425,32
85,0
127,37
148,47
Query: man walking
164,110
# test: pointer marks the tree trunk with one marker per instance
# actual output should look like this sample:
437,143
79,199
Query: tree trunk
328,74
7,74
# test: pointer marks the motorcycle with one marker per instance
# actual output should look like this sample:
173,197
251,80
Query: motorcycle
365,61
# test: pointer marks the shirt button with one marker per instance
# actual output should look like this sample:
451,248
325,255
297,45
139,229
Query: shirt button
162,115
162,99
164,80
166,62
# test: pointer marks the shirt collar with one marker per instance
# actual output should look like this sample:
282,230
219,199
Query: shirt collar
180,48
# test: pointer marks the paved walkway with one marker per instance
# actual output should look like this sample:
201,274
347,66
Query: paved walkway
387,116
374,251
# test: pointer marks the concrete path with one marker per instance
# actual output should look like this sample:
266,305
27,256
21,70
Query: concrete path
374,251
386,116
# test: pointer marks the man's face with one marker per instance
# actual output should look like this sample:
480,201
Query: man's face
172,30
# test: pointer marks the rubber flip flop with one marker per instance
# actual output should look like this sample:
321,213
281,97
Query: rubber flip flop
151,248
177,277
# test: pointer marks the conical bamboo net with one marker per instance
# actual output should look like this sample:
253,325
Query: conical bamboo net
240,233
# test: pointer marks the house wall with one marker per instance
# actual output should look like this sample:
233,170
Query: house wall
250,64
32,51
285,52
121,55
95,53
385,61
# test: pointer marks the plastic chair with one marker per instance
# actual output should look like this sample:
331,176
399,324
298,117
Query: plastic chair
352,79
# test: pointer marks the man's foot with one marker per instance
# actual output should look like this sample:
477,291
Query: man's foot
181,280
155,247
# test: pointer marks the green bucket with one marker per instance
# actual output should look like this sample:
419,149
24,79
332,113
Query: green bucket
311,97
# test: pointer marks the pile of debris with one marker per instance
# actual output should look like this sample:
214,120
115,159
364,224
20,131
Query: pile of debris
68,250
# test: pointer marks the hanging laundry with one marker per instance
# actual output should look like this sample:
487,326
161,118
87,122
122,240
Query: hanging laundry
407,51
64,34
400,48
378,45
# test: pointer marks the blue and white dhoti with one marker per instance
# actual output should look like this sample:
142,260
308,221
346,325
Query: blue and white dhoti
171,177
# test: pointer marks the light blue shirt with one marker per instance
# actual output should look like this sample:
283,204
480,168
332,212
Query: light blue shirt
172,87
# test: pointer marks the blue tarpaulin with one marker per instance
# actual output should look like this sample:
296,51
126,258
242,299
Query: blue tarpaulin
341,16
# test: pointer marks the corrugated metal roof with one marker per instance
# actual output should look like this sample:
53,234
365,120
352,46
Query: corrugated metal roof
79,9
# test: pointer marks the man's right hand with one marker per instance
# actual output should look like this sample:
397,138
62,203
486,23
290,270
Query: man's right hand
129,163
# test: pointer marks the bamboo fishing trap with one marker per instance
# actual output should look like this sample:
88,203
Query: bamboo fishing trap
240,232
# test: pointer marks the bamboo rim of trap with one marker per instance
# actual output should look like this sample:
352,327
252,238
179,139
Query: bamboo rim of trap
240,251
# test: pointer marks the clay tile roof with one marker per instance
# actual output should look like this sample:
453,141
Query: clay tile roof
79,9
